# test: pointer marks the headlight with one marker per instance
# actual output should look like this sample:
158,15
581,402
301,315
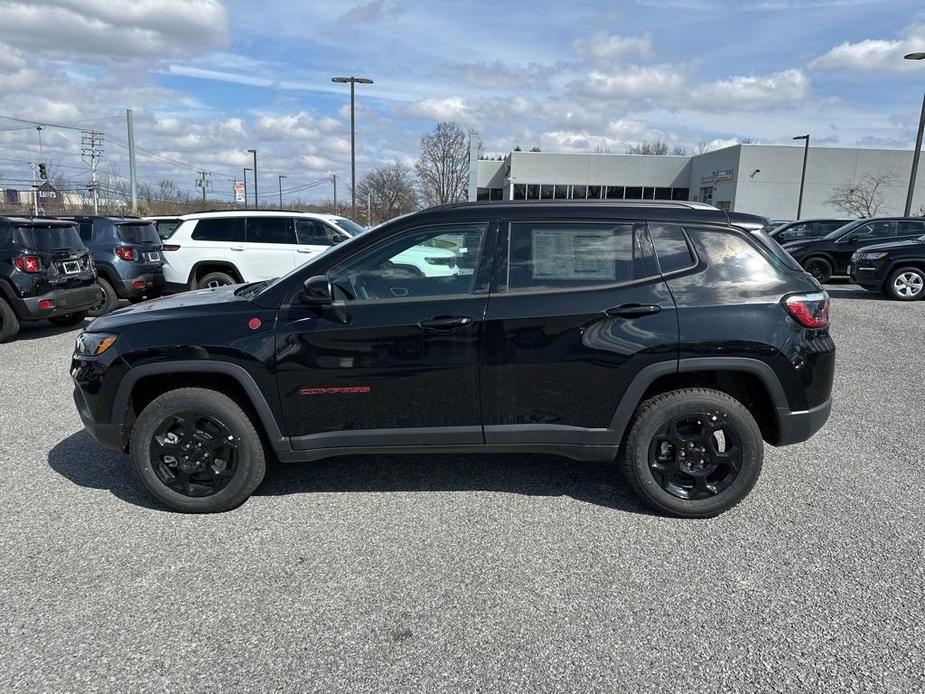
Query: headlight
872,255
94,344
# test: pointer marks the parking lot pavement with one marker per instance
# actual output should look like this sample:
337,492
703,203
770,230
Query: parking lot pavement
424,574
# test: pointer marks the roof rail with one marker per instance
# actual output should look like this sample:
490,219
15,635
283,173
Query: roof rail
686,204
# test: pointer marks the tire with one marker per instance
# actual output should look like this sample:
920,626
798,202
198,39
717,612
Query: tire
9,323
216,279
662,485
239,469
68,319
906,284
818,267
109,301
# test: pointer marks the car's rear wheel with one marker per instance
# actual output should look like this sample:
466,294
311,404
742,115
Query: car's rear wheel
197,451
9,323
68,319
906,284
692,453
216,279
108,301
820,268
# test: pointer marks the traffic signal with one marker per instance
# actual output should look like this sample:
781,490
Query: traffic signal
43,172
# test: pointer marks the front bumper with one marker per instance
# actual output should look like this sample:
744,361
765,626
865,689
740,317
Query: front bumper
62,302
796,427
107,435
147,284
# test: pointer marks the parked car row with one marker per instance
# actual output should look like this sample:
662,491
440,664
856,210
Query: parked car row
882,254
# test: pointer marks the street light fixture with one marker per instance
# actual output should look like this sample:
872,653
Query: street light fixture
281,177
256,199
246,169
352,81
918,144
803,177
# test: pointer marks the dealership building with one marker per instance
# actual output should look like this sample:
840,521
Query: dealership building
762,179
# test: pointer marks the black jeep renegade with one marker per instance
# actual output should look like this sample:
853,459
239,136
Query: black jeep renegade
45,273
657,335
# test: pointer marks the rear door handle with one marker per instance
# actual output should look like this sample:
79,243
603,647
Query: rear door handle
443,324
237,248
633,310
305,250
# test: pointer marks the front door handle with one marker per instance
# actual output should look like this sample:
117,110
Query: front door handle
305,250
633,310
237,248
443,324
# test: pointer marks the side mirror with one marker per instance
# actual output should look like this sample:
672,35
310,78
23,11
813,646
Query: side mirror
318,291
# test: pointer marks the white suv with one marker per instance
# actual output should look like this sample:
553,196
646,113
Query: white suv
210,249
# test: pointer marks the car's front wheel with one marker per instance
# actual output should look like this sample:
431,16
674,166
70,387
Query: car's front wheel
197,451
820,268
906,284
692,453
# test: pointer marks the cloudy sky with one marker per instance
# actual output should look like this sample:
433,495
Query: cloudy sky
207,79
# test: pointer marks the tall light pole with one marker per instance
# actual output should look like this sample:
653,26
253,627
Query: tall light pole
803,177
281,191
256,199
918,144
352,81
246,169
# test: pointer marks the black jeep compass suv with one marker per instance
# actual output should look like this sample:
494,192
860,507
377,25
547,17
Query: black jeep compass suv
654,334
45,273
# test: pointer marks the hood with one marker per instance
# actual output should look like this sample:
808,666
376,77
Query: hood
175,306
891,245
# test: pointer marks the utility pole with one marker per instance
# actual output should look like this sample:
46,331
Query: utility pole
334,181
281,177
352,81
203,182
918,144
369,210
256,199
246,169
133,181
803,177
35,194
91,149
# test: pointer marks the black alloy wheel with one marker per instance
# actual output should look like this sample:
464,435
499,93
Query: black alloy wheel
820,268
194,454
696,456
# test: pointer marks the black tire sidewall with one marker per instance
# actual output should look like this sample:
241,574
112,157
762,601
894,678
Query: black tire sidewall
110,298
9,323
251,459
893,275
679,403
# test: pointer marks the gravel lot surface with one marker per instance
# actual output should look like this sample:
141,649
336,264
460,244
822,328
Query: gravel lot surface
424,574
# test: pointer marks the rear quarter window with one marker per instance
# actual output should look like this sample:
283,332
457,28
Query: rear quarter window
218,229
671,247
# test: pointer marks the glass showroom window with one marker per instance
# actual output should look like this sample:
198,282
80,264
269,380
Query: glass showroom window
561,192
614,193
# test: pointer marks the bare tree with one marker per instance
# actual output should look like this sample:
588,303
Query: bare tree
443,166
387,191
862,198
702,146
679,151
655,147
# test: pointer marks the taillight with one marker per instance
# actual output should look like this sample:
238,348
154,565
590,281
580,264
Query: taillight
28,263
171,247
125,252
809,310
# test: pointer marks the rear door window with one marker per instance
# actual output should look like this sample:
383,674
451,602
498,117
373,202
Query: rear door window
142,234
911,228
270,230
226,229
566,255
311,232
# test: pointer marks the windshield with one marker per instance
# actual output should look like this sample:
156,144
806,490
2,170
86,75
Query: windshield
309,262
842,230
36,237
349,226
138,233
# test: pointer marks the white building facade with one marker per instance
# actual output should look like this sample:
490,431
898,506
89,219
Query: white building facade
761,179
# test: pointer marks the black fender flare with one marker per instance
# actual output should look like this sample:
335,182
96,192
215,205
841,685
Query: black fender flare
238,373
648,375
